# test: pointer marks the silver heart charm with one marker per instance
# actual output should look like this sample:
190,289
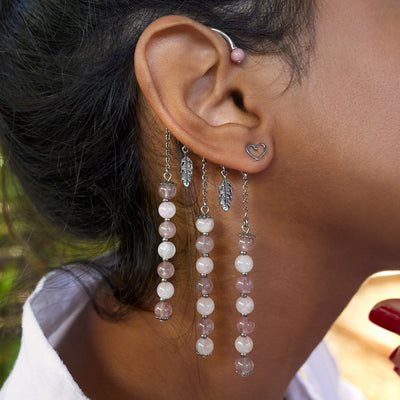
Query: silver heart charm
251,148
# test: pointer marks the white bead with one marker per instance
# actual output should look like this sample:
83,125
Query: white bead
204,265
245,305
244,264
205,305
166,250
165,290
205,346
244,344
167,209
205,225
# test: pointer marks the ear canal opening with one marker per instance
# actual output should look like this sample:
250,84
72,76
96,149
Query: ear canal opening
238,100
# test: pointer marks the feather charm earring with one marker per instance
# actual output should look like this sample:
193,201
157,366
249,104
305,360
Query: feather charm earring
186,167
225,191
167,230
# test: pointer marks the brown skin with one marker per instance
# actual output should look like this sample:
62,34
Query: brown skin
323,201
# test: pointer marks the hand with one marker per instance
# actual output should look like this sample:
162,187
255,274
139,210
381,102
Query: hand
386,314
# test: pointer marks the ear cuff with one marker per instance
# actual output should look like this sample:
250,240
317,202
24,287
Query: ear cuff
237,54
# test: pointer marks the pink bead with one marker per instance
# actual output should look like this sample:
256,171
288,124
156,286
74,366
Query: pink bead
204,286
204,244
167,190
163,310
167,209
205,224
205,326
165,290
244,263
244,344
167,230
165,270
237,55
244,284
244,366
204,265
245,243
245,305
245,325
205,305
205,347
166,250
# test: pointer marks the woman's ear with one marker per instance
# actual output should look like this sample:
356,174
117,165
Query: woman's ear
212,105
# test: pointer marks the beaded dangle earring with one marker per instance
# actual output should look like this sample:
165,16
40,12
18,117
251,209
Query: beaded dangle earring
244,304
167,230
204,265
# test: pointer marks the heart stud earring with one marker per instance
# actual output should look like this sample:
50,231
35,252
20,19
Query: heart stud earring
253,151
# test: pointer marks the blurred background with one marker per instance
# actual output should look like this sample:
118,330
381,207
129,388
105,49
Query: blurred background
361,348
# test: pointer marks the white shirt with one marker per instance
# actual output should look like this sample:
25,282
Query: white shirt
40,374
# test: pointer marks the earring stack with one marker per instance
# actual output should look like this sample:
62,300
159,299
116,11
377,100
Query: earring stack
244,284
204,265
167,230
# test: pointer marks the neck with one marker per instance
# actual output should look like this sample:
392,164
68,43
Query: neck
302,283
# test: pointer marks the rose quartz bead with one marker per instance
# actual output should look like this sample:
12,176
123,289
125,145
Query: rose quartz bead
244,366
165,290
237,55
205,347
245,325
166,250
204,265
167,190
165,270
244,284
167,230
205,305
205,326
204,286
244,344
245,305
205,224
167,209
204,244
163,310
245,243
244,263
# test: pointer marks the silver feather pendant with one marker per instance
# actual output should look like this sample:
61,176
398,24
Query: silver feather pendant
225,191
186,168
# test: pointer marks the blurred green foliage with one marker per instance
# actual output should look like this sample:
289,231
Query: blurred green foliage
29,248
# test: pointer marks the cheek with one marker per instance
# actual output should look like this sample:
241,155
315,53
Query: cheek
354,90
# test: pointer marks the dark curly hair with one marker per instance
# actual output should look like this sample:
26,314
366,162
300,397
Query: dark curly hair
68,95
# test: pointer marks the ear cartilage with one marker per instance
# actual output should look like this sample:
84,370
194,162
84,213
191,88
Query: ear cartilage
237,54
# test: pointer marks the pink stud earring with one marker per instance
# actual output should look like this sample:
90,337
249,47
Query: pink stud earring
244,304
167,230
237,54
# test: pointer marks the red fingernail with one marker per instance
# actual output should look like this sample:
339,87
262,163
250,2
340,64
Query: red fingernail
397,370
393,355
386,318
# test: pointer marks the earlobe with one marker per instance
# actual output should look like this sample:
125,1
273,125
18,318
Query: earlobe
186,74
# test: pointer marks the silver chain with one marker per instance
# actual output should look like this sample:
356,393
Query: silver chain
223,172
245,226
204,208
167,174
